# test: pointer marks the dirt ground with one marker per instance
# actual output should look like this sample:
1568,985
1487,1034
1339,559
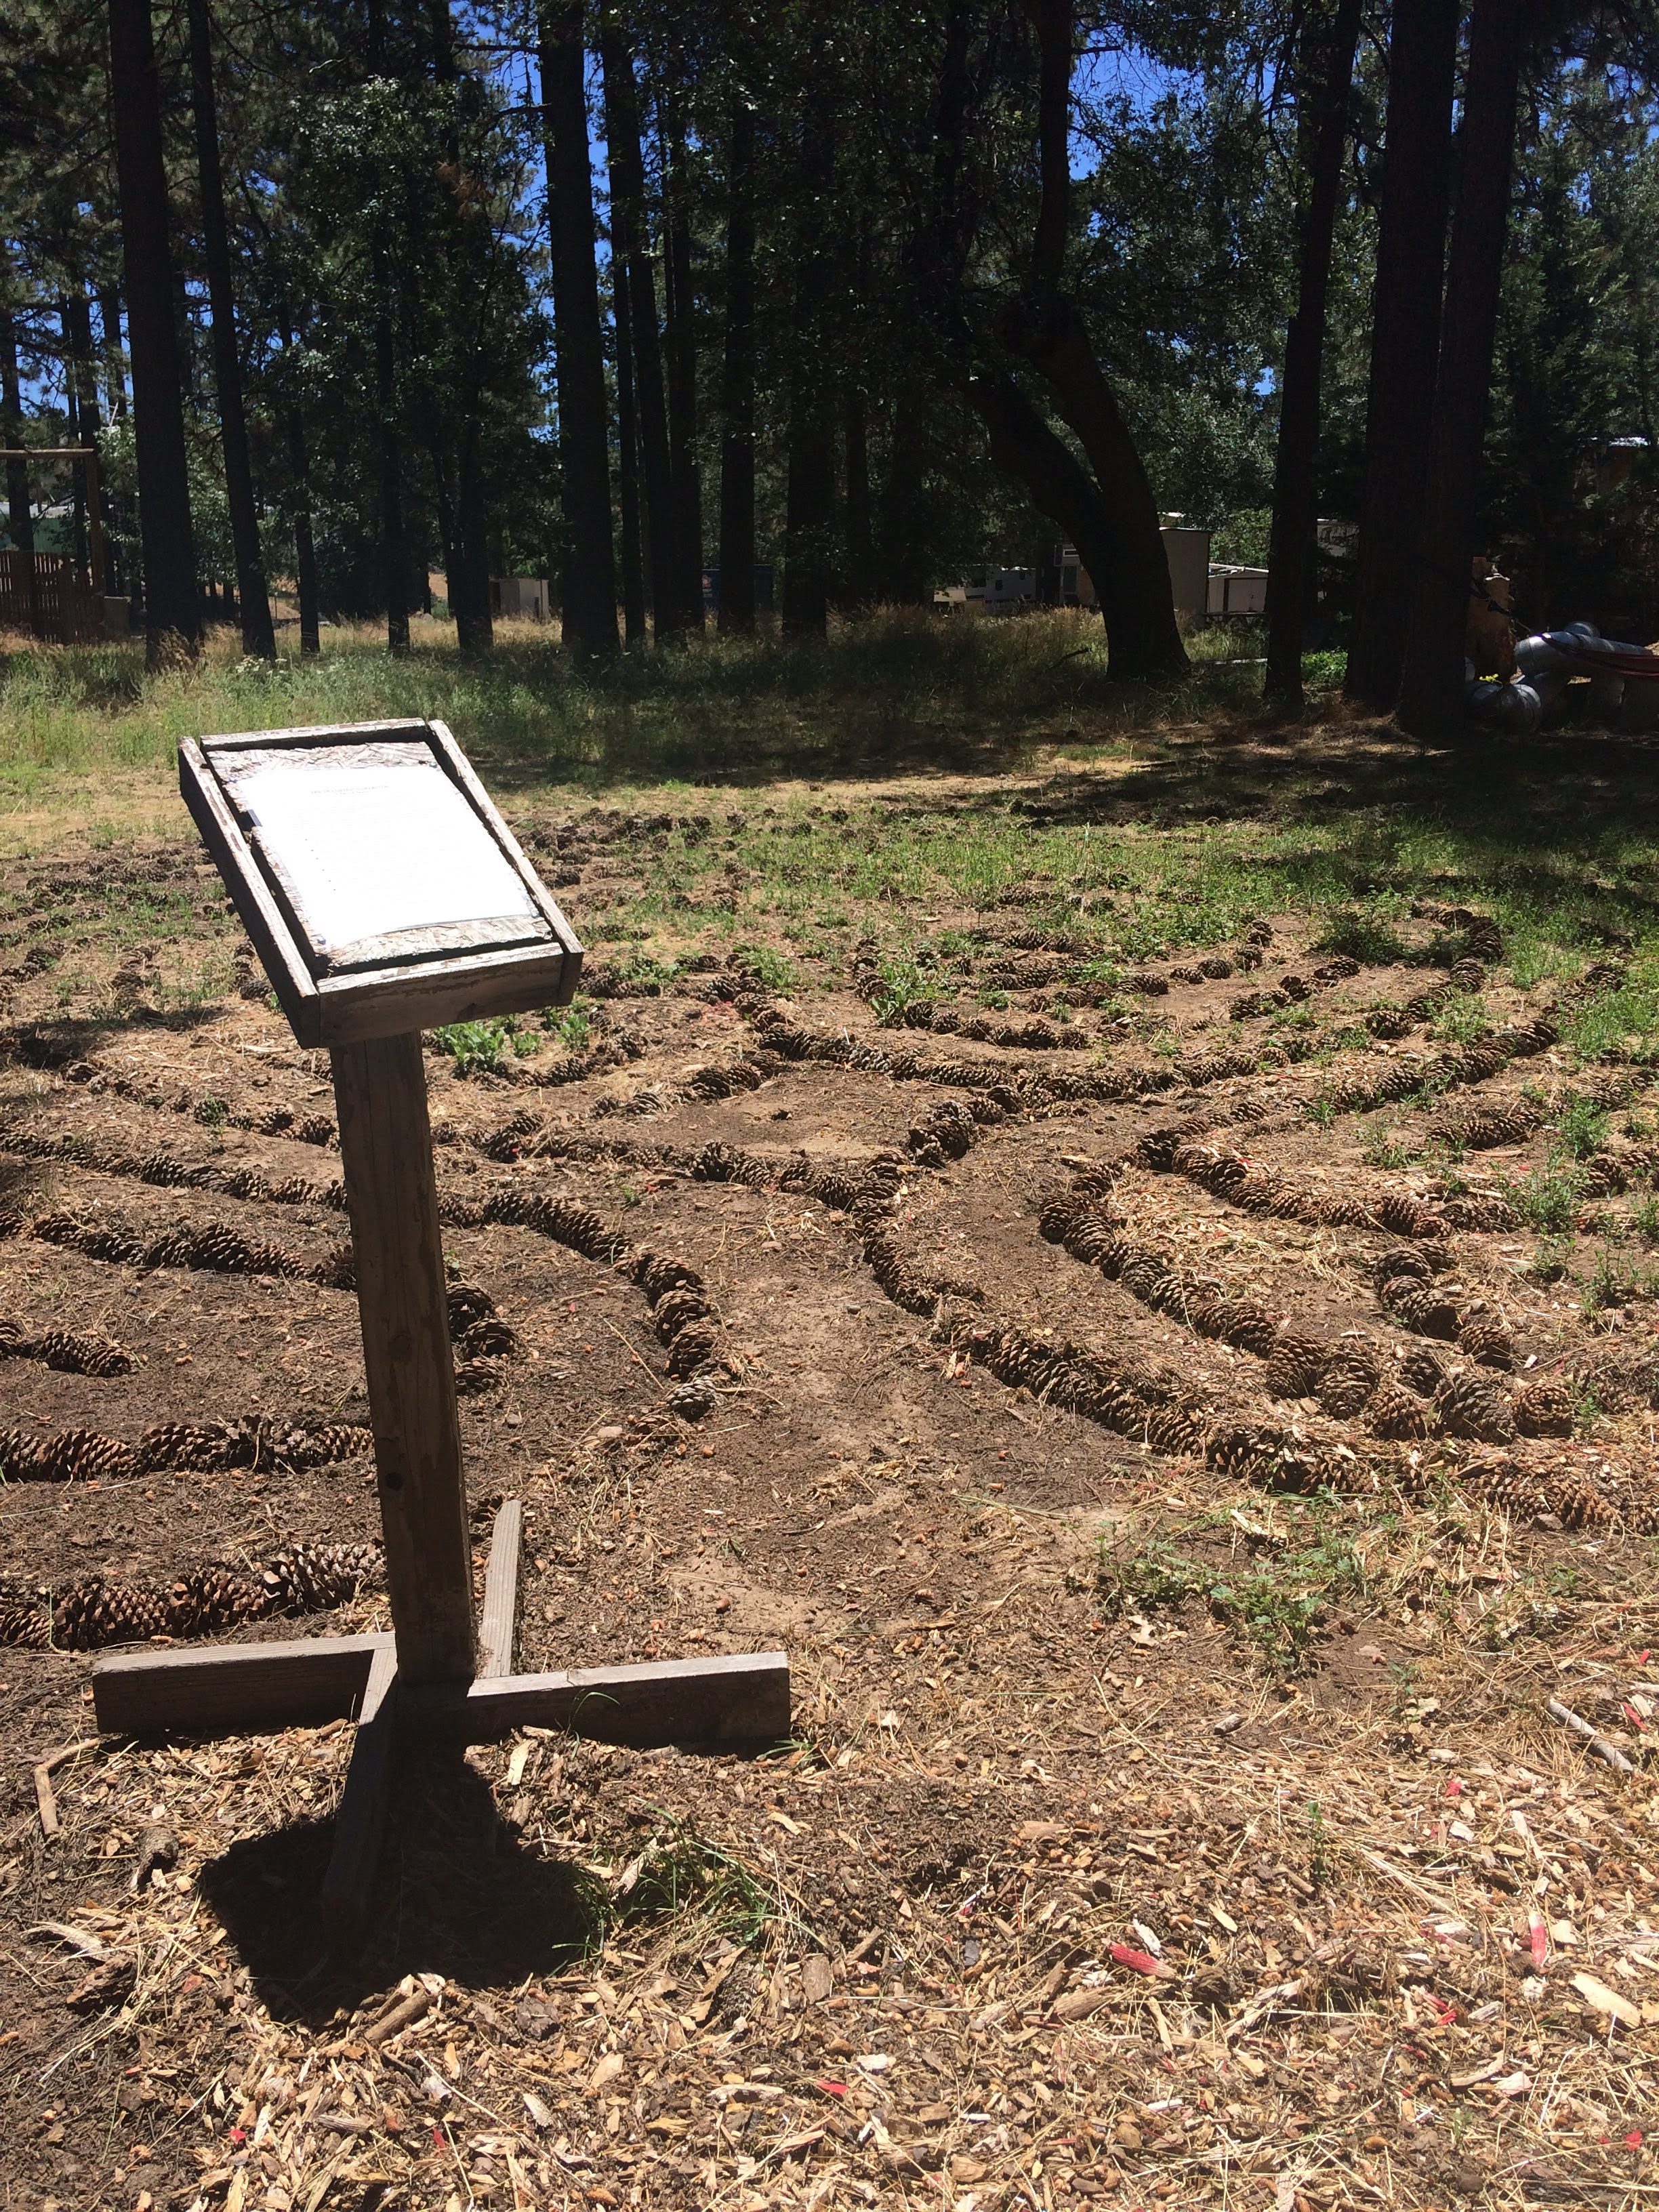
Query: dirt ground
1175,1813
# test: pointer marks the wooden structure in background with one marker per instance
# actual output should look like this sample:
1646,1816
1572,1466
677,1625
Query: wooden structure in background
386,895
49,594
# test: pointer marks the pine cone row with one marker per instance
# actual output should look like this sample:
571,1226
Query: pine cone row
1394,1415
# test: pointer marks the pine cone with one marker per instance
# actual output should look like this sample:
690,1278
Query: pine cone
77,1355
1401,1261
1487,1342
1250,1327
89,1615
1468,1406
1419,1306
489,1339
656,1274
82,1455
673,1311
1394,1415
1481,1210
474,1376
26,1623
1468,975
693,1347
1407,1216
209,1599
1420,1370
1544,1408
1294,1364
1386,1024
467,1304
1350,1375
316,1577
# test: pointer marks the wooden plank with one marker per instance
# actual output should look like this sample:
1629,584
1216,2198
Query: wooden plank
740,1700
360,1823
501,1598
313,733
232,1686
384,1002
260,916
385,1145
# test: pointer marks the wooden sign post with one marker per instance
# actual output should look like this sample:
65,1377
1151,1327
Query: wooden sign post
386,895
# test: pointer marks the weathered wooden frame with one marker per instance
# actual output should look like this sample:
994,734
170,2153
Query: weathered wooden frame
438,1675
375,1002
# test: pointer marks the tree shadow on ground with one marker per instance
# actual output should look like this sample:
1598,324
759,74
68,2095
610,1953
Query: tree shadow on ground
457,1894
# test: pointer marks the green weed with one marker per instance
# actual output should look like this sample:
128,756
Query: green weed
479,1048
1366,934
681,1874
1582,1129
1548,1199
1382,1148
573,1025
1278,1604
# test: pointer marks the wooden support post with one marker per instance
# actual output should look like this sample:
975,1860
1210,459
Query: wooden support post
501,1600
385,1144
360,1823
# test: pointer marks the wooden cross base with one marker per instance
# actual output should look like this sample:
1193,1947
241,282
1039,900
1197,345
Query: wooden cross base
725,1703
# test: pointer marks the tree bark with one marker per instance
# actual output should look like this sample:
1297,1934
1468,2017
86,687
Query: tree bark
20,519
173,618
901,555
627,474
1411,260
109,330
469,575
305,550
587,588
737,608
622,130
1046,330
394,544
1327,75
259,637
809,502
1432,676
858,535
680,335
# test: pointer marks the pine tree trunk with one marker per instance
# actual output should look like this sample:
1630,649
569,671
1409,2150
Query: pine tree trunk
1432,678
305,551
109,330
1411,258
20,519
587,587
809,502
469,579
394,544
858,537
259,637
627,474
679,331
736,609
173,616
622,130
1326,71
902,578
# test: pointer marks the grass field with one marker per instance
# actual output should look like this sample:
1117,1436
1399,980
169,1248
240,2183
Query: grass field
1170,1211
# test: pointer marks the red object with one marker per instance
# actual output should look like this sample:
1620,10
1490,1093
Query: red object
1541,1942
831,2088
239,2134
440,2139
1454,1788
1448,2012
1634,2140
1141,1962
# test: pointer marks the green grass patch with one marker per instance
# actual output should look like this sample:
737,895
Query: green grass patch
1278,1600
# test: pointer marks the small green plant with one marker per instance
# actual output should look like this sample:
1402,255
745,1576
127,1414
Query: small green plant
212,1113
1551,1260
479,1048
767,966
1321,1111
995,999
1582,1129
1364,934
1382,1148
1548,1200
1645,1219
1461,1020
1278,1604
682,1874
573,1025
